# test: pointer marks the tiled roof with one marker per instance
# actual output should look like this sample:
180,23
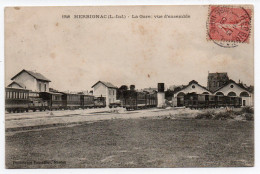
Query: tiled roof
107,84
18,83
190,83
36,75
232,81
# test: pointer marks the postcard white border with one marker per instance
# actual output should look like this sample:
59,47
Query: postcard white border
256,169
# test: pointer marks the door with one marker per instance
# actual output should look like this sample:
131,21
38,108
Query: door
244,102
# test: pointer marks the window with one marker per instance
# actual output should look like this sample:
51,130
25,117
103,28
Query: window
45,87
193,86
40,87
231,86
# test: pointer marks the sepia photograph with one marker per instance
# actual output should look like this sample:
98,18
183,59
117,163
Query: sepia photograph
129,86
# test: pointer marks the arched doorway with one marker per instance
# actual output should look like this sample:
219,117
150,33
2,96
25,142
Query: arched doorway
220,93
180,99
205,93
245,98
244,94
231,94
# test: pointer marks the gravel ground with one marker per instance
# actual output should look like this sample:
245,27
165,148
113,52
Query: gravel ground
19,121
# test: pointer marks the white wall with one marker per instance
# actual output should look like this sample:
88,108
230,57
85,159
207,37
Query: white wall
27,80
42,86
189,89
14,85
101,90
237,89
31,83
161,99
112,95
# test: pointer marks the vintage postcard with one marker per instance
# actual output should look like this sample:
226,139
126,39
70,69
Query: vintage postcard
129,86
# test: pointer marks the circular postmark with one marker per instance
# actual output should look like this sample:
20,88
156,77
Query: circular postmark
228,26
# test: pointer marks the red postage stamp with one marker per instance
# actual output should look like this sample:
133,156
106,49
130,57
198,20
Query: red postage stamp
231,24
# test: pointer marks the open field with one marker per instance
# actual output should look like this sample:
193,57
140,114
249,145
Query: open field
137,142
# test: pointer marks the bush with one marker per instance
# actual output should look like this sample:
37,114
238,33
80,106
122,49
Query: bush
224,115
249,116
205,115
248,109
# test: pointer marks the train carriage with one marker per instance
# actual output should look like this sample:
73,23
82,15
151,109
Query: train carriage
227,101
153,100
36,102
148,100
53,99
129,99
71,101
99,102
133,100
87,101
210,101
193,100
236,101
220,101
16,99
141,100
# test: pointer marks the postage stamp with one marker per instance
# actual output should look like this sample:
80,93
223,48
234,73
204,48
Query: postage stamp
229,24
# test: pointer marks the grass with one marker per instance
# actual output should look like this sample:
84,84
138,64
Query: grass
246,113
135,143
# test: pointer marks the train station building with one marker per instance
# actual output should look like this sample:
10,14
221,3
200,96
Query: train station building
192,87
231,88
218,84
30,80
221,84
105,89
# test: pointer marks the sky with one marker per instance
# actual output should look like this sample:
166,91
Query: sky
76,53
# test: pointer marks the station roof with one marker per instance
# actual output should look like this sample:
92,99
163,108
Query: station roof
107,84
18,83
36,75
